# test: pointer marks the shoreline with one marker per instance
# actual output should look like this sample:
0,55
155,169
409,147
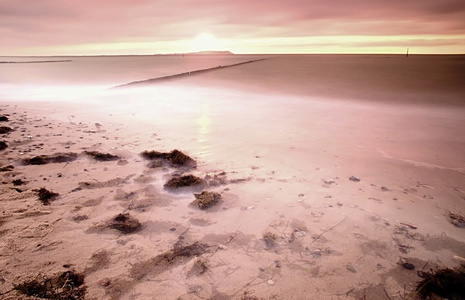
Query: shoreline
278,232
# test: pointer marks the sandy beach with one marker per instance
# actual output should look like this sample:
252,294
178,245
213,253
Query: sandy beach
336,212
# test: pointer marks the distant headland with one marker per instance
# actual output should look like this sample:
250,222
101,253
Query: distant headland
207,52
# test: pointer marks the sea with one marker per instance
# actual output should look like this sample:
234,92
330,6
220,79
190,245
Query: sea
420,79
215,105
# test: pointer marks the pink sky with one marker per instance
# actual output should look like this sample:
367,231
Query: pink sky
51,27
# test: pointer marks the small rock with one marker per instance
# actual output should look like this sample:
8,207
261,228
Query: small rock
222,247
270,282
172,229
351,268
194,288
355,179
408,266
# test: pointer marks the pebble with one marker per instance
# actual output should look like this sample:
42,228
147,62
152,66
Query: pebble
355,179
351,268
223,247
270,282
408,266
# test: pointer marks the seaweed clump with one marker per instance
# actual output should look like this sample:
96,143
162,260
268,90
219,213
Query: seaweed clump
46,159
125,223
6,168
174,158
17,182
206,199
68,285
5,129
3,145
102,156
184,181
270,239
457,219
445,283
45,196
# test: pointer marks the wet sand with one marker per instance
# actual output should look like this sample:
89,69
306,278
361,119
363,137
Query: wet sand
333,214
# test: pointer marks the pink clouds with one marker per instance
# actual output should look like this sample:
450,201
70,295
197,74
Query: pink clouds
26,23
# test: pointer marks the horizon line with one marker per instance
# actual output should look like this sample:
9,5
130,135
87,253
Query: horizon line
225,52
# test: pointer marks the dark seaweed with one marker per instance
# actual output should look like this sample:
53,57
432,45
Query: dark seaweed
5,129
69,285
46,159
446,283
207,199
125,223
174,158
45,196
184,181
102,156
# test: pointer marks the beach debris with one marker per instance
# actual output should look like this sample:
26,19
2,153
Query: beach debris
100,184
4,119
404,231
248,295
329,182
206,199
174,159
445,283
351,268
166,260
102,156
54,158
45,196
354,179
457,219
67,285
18,182
7,168
184,181
3,145
80,218
5,129
125,223
409,225
198,267
408,266
270,239
403,248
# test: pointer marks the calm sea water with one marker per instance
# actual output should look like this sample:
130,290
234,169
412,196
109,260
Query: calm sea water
438,79
389,106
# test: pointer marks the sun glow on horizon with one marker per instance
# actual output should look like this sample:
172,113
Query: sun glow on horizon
205,42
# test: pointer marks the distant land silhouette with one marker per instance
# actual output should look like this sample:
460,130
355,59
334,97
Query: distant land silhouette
206,52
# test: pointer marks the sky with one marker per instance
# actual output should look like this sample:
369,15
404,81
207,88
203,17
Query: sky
96,27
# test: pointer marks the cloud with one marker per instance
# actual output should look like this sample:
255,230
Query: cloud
25,23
